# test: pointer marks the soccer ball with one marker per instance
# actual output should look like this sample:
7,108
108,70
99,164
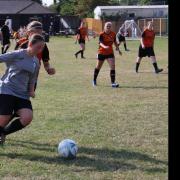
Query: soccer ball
68,149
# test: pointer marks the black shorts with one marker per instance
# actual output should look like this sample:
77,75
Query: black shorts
82,41
5,42
148,51
121,38
102,57
10,104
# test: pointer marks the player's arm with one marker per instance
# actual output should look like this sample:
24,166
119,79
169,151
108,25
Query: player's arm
32,82
141,41
77,36
87,36
45,57
117,45
117,39
101,42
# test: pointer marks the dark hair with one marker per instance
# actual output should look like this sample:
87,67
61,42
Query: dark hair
35,38
34,25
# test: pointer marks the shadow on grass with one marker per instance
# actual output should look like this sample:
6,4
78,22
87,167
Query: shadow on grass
93,159
137,87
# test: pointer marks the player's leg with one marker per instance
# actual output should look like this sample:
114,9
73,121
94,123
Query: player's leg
6,47
154,62
6,110
99,65
125,45
4,120
111,62
141,53
24,110
138,62
82,50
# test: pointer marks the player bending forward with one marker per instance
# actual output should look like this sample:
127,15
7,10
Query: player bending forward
17,86
106,40
146,48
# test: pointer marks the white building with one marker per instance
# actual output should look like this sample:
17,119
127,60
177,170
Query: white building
155,11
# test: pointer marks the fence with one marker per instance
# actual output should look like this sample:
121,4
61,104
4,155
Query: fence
160,25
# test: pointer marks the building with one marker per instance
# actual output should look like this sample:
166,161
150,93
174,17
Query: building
21,12
152,11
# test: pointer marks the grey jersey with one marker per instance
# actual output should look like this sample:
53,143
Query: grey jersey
22,71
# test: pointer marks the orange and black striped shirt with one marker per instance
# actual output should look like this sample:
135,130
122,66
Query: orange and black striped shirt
107,40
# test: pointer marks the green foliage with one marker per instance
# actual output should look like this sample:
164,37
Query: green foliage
85,8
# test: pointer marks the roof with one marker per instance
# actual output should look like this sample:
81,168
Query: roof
22,7
132,7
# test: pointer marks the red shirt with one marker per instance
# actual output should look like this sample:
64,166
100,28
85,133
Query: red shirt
107,40
82,33
148,38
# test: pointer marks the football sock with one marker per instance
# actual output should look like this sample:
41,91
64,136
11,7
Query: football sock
137,66
14,126
2,50
96,72
125,47
155,66
1,129
7,47
78,52
113,75
82,53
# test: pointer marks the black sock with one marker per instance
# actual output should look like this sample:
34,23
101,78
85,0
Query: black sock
7,47
125,47
137,66
78,52
113,76
1,130
14,126
155,66
96,72
2,50
82,54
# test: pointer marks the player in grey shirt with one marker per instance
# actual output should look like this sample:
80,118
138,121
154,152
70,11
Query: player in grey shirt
121,37
17,86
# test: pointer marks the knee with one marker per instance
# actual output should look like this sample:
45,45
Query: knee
26,119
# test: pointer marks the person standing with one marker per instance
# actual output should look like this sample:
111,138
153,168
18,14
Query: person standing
5,37
146,48
105,52
82,34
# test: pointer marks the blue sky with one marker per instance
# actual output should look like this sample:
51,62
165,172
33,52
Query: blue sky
48,2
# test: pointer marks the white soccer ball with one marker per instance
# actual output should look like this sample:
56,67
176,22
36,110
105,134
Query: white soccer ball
68,149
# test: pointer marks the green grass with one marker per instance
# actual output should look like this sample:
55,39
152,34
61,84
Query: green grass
121,133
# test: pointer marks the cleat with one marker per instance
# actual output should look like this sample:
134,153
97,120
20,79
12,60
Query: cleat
158,71
115,85
94,83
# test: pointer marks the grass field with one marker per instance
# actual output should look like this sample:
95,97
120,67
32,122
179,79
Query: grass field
122,133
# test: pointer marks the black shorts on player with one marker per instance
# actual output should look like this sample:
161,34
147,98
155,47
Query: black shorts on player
10,104
82,41
102,57
121,38
5,41
147,51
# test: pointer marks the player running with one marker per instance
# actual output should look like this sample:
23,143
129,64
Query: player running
121,37
146,47
35,27
5,37
106,40
82,34
17,86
